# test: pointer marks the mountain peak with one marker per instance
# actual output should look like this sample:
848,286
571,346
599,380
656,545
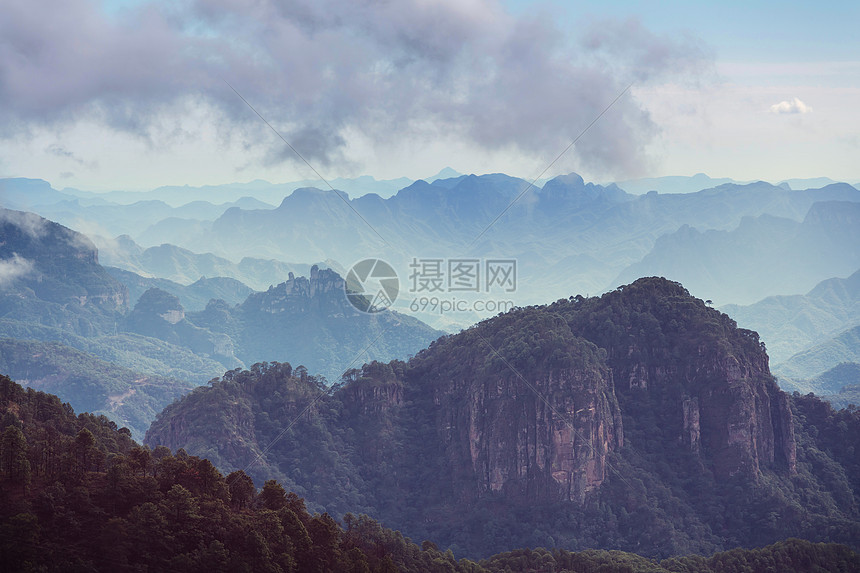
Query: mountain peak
445,173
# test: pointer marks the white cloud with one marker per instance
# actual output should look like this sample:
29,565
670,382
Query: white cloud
793,106
30,223
14,268
319,70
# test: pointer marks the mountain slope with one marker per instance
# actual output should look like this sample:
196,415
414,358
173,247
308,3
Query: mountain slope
52,273
640,419
128,398
814,361
193,297
185,267
310,321
79,494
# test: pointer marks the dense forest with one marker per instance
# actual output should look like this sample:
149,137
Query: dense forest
662,433
78,494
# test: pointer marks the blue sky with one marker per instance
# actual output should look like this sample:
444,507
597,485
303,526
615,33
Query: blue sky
134,96
737,30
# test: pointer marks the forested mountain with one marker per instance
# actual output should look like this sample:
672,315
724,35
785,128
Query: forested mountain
640,420
55,291
78,494
90,384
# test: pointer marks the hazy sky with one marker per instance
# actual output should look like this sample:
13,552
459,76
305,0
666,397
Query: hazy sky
132,95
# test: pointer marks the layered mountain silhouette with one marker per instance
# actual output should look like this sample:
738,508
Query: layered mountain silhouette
811,338
53,290
567,235
185,267
789,324
763,255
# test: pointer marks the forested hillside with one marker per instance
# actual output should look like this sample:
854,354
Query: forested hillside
78,495
641,420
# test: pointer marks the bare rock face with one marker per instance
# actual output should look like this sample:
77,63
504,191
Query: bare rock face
743,427
534,431
538,440
692,426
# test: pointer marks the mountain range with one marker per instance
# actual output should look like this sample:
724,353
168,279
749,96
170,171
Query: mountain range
812,339
643,419
55,292
763,255
185,267
566,235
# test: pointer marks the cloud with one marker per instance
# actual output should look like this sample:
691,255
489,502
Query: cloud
793,106
319,70
63,153
14,268
32,224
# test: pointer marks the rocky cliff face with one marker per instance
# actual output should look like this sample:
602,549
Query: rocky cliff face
516,444
711,378
537,431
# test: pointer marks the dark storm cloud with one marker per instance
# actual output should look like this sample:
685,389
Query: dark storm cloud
315,69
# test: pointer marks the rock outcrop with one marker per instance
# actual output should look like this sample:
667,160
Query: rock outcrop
710,378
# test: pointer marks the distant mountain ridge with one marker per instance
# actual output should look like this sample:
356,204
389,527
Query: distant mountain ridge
762,256
185,267
566,235
310,321
193,297
789,324
816,360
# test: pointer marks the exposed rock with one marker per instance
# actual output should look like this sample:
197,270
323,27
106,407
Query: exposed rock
692,429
